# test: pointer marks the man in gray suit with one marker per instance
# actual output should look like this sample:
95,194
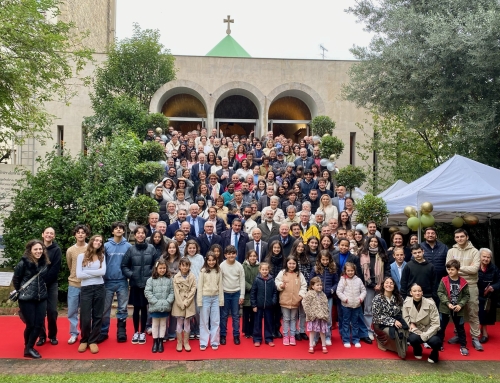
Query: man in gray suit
269,227
339,201
257,244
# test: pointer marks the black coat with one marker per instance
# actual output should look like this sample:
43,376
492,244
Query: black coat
276,264
422,274
54,253
205,245
264,293
242,242
287,248
137,264
23,272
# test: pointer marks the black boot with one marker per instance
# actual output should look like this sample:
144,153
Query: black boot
160,345
121,335
155,346
30,352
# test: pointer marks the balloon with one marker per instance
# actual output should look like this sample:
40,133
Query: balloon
413,223
150,187
356,195
330,166
457,222
333,157
426,207
393,229
471,219
162,163
427,220
323,162
377,234
410,211
159,131
132,225
337,171
404,230
362,227
316,138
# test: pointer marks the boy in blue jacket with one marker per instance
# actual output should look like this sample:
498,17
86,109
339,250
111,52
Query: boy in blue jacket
263,297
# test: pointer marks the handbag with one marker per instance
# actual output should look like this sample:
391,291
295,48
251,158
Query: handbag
487,304
14,296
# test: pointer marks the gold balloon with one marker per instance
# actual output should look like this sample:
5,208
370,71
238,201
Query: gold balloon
470,219
410,211
426,207
159,131
457,222
393,229
326,135
333,157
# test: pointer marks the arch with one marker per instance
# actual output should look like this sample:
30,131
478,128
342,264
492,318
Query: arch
174,88
239,88
301,91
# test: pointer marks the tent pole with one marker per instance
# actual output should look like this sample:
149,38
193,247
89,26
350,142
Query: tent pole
490,237
419,227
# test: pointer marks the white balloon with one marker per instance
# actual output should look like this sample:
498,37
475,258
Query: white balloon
323,162
337,171
162,163
150,187
132,225
356,195
330,166
377,233
362,227
404,230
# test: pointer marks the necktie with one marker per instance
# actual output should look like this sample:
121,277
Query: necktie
257,250
304,163
201,168
210,239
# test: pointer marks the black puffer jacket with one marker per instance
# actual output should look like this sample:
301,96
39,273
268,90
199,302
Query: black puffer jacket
24,271
137,264
264,293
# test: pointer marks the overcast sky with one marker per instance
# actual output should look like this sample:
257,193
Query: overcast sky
264,28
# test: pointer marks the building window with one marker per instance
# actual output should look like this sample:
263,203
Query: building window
60,139
84,140
352,148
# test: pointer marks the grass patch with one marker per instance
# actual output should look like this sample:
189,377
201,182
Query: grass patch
167,376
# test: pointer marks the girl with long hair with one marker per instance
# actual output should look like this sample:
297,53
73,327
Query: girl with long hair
90,268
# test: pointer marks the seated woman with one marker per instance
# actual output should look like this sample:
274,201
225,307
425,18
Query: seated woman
488,282
422,317
391,331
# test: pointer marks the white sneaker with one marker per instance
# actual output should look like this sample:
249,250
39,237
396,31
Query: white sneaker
149,330
426,345
73,339
370,335
357,345
347,345
135,338
142,338
328,342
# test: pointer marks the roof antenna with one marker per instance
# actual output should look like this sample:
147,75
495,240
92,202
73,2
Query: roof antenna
323,49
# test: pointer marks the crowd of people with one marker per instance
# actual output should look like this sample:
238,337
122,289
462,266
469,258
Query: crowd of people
257,227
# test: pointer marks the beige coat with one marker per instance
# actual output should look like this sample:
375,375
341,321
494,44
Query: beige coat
426,319
184,291
294,290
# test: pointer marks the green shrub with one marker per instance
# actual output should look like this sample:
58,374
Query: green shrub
151,151
331,145
148,172
321,125
139,208
371,208
351,177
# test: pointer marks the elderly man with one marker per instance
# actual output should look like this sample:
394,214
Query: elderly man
307,229
237,203
278,214
219,225
285,238
195,221
225,173
304,160
318,219
198,167
265,200
208,238
152,221
161,227
292,217
181,217
339,200
257,244
269,227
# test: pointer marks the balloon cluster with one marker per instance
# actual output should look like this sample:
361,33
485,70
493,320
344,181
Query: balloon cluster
426,218
469,219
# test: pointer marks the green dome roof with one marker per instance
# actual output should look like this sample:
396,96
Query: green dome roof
228,47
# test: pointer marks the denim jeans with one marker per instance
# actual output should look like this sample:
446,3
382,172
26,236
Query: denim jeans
52,294
231,306
73,305
209,311
120,287
350,324
91,309
289,321
330,307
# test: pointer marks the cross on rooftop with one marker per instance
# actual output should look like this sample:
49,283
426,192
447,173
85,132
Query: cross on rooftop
228,21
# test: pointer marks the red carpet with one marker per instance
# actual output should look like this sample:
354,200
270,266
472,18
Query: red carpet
11,333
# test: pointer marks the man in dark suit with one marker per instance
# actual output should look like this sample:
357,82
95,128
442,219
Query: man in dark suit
303,160
269,227
181,217
186,229
265,200
224,174
197,222
257,244
199,166
208,238
236,234
152,221
285,238
219,223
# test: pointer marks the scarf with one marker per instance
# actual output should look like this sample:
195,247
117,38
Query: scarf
364,259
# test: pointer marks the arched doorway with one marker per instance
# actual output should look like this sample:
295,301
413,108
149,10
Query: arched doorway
185,112
236,114
289,116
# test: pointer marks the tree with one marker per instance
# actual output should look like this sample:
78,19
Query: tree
125,84
331,145
402,152
371,208
321,125
37,57
351,177
439,61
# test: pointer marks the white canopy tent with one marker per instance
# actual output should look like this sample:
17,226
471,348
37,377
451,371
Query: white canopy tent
458,186
399,184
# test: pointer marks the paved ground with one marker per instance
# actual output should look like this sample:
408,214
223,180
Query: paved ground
361,367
